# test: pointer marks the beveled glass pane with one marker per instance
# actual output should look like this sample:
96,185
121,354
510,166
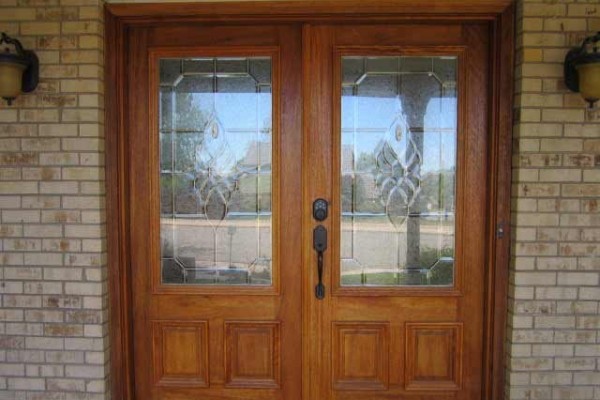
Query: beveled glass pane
215,170
398,171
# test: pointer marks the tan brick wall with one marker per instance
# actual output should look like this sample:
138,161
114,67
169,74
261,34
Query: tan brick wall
554,321
53,272
53,290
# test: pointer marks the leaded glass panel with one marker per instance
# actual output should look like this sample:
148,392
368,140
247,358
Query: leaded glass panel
215,170
398,170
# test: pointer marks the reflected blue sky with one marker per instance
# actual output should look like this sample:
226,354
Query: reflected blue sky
368,120
246,119
246,115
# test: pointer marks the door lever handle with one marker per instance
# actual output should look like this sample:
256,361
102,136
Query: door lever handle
320,245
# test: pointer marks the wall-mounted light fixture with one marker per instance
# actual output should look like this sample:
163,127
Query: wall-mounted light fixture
19,69
582,69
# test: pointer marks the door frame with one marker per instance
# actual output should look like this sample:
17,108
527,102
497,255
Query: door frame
119,18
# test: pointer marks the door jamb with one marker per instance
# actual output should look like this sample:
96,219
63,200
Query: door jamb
119,18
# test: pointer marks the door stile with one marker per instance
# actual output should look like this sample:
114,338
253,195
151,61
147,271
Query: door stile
290,193
317,41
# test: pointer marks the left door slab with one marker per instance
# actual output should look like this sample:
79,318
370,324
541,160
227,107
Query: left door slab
213,130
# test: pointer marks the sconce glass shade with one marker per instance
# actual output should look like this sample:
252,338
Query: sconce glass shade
11,77
589,81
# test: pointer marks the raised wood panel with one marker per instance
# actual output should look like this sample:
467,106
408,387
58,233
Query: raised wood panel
360,356
252,354
180,353
433,356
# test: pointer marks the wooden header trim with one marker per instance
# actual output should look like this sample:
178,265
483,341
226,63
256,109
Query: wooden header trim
308,9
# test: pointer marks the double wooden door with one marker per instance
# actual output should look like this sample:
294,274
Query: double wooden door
233,133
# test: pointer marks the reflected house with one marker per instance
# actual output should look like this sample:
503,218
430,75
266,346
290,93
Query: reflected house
258,153
347,158
359,188
253,194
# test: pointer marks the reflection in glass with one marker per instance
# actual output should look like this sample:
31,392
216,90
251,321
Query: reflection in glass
398,169
215,171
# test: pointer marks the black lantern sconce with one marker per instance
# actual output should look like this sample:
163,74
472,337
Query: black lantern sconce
582,69
19,69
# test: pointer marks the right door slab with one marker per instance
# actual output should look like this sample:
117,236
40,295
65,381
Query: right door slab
397,139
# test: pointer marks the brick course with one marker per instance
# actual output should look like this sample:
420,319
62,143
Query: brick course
53,317
553,341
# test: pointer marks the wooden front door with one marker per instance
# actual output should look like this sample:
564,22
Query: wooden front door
233,133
